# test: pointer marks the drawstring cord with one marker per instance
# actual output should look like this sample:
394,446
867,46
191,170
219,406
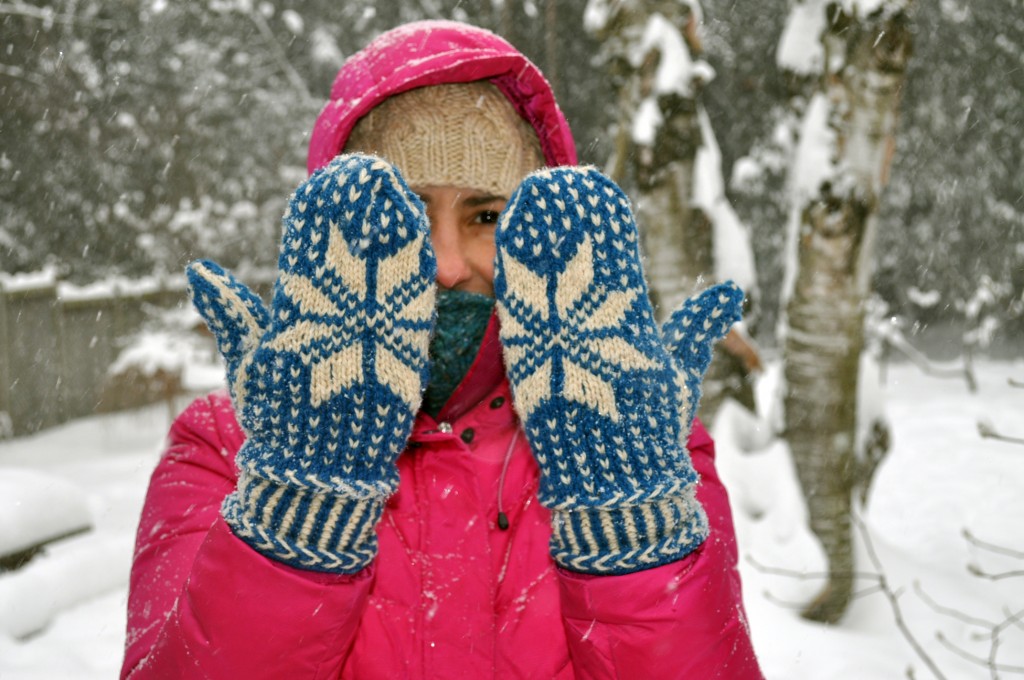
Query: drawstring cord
502,517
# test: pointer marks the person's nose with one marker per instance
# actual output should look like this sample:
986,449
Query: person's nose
452,265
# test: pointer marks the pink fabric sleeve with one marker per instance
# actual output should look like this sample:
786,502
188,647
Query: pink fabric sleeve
680,620
201,602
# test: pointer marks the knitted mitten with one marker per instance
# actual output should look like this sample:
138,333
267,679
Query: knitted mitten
606,405
327,382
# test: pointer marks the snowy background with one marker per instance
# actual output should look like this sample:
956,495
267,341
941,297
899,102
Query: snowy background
164,127
63,615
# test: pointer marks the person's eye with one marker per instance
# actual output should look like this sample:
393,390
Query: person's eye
487,217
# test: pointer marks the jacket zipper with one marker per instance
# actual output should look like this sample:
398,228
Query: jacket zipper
503,523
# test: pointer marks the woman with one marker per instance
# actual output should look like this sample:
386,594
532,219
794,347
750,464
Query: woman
517,506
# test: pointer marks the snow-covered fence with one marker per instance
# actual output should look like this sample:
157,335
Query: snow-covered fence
57,342
29,337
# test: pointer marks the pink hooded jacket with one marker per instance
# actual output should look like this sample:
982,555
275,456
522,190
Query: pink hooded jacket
451,594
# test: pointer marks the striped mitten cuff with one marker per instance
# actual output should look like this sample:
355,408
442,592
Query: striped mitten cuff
628,538
307,528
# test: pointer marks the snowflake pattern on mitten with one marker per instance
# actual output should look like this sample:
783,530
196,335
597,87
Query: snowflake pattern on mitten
328,381
605,405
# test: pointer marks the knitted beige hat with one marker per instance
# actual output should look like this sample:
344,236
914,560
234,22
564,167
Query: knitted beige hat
458,134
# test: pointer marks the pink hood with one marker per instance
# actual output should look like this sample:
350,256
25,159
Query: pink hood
432,53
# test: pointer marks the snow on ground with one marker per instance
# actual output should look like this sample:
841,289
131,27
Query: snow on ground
941,478
79,586
62,616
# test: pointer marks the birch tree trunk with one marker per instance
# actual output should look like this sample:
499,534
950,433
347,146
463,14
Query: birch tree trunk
657,138
850,122
651,53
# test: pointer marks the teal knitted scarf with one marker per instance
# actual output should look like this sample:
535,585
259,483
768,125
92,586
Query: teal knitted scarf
461,323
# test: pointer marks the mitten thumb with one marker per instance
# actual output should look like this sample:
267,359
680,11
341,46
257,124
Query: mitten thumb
693,329
234,314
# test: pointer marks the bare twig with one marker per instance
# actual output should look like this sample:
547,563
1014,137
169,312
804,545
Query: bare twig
895,339
806,575
893,598
774,599
867,591
976,659
992,650
1015,383
989,432
1011,620
803,575
993,631
949,611
992,547
981,573
989,630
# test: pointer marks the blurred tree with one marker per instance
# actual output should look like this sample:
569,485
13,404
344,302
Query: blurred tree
131,141
138,134
665,148
952,215
141,134
840,167
749,105
952,224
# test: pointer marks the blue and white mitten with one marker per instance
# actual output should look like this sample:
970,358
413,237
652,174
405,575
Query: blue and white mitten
606,403
327,383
